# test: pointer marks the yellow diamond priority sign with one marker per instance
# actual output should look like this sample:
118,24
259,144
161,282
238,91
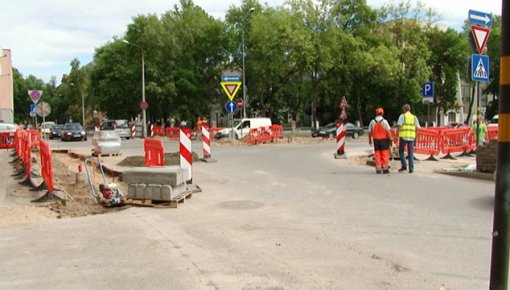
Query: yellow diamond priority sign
231,88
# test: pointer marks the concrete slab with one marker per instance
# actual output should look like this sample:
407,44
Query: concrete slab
168,175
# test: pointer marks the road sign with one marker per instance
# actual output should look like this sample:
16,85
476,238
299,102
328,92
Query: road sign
427,90
231,106
480,35
231,88
231,78
480,18
43,109
480,68
240,102
35,95
144,105
343,103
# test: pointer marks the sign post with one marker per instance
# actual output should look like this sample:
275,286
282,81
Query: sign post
427,90
341,130
501,225
230,88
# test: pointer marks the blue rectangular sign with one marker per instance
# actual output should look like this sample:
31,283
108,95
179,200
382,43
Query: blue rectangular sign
230,78
427,89
480,68
480,18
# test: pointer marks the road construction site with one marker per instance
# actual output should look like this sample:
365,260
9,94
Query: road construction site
271,216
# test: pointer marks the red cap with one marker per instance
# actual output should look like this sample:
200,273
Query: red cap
379,111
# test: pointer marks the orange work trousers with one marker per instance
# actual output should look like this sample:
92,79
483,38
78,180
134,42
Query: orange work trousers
382,154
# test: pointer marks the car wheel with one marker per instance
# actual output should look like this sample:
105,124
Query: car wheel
355,135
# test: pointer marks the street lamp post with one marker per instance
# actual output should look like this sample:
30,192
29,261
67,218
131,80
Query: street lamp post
245,96
143,104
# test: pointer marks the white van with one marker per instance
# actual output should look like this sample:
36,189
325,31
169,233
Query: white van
242,128
119,126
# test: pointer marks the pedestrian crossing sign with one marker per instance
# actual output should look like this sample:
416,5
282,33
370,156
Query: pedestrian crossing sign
480,68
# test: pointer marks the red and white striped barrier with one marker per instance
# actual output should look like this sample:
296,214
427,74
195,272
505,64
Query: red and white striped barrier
186,151
206,141
152,130
133,131
97,128
341,134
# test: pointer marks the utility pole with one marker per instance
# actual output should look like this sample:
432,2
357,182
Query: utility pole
500,235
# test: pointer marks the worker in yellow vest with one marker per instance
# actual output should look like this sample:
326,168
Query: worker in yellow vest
407,129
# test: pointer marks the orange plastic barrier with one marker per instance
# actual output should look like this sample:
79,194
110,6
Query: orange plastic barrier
154,153
27,152
7,140
277,131
159,131
456,140
428,142
46,165
265,134
36,137
492,133
172,133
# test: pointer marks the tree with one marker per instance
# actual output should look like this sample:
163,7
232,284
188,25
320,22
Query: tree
448,58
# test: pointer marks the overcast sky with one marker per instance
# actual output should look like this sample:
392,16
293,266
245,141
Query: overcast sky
45,35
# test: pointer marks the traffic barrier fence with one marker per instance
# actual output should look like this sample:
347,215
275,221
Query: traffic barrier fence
46,165
154,153
159,130
492,133
7,140
265,134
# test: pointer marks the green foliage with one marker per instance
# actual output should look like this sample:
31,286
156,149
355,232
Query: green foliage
300,59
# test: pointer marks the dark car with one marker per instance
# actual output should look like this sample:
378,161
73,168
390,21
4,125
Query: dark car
73,131
56,131
329,131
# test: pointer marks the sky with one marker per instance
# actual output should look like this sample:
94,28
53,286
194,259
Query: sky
45,35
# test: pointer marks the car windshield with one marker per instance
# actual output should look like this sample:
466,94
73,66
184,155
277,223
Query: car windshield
75,127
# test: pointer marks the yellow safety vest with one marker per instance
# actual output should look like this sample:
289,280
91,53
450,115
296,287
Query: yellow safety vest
408,129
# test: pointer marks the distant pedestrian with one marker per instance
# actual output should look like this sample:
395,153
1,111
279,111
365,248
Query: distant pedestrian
482,132
407,129
380,131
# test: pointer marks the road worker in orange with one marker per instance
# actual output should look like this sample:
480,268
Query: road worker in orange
380,132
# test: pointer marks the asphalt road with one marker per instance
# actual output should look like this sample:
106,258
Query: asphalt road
276,216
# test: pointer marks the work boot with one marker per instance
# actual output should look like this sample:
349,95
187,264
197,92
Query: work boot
378,171
386,171
402,169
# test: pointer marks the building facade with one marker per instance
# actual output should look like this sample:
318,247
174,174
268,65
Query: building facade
6,87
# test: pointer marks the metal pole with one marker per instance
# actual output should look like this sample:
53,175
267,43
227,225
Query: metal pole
500,235
144,115
245,101
82,108
478,96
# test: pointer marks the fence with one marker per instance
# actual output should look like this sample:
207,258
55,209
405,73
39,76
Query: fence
434,141
265,134
46,165
154,153
7,140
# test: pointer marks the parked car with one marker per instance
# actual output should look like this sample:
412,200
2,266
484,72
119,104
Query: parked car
46,127
119,126
8,128
73,131
56,131
329,131
494,121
